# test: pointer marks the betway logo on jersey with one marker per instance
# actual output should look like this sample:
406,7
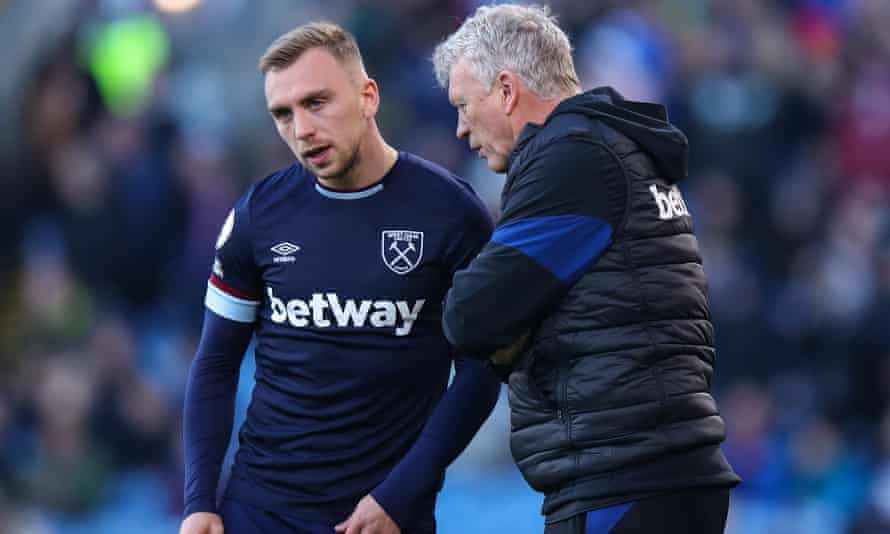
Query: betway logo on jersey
324,310
670,204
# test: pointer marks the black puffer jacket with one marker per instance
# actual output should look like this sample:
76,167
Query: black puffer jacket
611,401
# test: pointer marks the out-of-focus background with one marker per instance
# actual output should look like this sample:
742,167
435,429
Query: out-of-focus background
130,127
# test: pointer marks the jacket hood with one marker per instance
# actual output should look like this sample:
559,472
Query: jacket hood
646,124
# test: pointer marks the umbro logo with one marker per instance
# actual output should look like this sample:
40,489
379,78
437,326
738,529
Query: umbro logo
284,252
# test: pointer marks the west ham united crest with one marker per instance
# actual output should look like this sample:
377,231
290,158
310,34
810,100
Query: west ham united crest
401,250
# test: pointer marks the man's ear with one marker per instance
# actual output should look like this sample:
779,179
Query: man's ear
370,98
507,85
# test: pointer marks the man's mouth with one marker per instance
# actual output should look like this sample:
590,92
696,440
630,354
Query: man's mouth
318,154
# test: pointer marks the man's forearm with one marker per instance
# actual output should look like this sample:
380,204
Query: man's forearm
456,419
209,408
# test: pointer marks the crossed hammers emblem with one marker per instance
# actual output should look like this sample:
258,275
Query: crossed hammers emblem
402,254
401,250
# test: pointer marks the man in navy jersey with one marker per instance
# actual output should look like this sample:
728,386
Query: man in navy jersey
339,265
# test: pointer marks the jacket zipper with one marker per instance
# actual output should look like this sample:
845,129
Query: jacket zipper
562,407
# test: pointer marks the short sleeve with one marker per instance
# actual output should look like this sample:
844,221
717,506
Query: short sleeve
234,289
473,231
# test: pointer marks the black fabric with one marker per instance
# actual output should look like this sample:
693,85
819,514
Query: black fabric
486,310
505,291
644,124
701,512
612,400
682,471
557,181
689,512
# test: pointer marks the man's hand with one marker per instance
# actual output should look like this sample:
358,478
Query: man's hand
368,518
202,523
509,355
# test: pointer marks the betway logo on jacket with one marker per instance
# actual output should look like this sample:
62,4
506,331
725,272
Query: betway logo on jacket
670,204
324,310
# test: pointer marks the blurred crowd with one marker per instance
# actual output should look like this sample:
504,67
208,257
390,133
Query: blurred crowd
136,130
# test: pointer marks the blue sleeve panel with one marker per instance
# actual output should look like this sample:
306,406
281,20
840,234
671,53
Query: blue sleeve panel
210,407
565,245
561,209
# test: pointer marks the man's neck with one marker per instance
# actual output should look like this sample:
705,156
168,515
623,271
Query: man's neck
536,111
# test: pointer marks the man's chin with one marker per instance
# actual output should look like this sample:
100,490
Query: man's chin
499,167
326,170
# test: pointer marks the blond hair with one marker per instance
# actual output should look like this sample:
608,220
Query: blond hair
288,48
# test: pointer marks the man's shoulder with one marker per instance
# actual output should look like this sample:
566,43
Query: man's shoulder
569,126
275,183
435,181
551,140
558,132
431,173
271,189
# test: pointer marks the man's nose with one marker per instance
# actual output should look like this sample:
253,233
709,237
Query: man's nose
304,127
462,130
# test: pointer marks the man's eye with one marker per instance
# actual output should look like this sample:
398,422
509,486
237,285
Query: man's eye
314,104
281,115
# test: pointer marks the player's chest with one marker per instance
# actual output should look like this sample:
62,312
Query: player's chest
365,254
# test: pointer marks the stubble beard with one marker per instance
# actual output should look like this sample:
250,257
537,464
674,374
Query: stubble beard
351,162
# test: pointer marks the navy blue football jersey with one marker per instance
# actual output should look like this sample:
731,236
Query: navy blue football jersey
345,290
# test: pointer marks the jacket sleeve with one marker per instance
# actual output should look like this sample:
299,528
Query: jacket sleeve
559,213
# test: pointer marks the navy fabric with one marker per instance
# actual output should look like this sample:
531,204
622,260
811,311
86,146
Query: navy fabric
446,433
352,364
240,518
210,407
233,265
564,244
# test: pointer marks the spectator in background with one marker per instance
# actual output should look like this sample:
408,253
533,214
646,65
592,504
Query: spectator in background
612,416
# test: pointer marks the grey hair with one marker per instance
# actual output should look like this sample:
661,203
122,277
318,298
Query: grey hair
525,40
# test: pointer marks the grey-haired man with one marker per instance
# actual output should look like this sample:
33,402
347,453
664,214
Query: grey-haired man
608,344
